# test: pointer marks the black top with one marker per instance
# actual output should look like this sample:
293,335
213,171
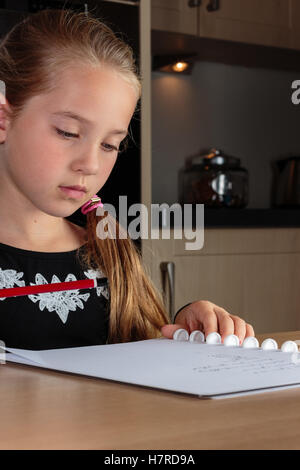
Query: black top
50,320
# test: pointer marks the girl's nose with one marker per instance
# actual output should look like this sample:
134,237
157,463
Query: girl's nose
87,161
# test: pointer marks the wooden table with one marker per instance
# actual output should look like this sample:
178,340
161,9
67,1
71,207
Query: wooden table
42,409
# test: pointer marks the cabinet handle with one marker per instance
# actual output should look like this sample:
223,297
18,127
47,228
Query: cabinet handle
213,5
194,3
168,274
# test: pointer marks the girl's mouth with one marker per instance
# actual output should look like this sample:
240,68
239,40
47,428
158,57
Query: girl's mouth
74,193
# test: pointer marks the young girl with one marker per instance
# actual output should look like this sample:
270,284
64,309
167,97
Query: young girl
71,91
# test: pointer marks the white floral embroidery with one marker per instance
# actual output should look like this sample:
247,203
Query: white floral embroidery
96,274
61,302
9,277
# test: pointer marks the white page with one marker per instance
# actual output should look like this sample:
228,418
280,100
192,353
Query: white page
200,369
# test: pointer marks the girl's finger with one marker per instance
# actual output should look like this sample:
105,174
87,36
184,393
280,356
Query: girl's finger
169,330
239,327
210,323
193,324
249,330
226,323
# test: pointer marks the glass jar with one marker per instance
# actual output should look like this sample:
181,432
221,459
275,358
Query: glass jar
214,179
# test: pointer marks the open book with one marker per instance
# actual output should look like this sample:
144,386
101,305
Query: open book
208,371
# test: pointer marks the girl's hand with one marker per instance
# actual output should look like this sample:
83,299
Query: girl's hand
208,318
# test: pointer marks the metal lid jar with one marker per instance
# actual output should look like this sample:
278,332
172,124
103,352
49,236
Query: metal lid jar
214,179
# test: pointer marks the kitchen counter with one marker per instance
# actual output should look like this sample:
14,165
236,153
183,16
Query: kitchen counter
252,217
230,218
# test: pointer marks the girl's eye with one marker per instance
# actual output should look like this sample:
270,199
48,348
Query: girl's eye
110,148
66,134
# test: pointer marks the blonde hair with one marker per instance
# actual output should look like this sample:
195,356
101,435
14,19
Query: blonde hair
32,54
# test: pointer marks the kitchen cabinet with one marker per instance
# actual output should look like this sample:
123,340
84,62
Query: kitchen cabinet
252,273
295,23
261,22
174,15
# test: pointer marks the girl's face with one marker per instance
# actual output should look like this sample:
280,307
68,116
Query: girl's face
47,149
